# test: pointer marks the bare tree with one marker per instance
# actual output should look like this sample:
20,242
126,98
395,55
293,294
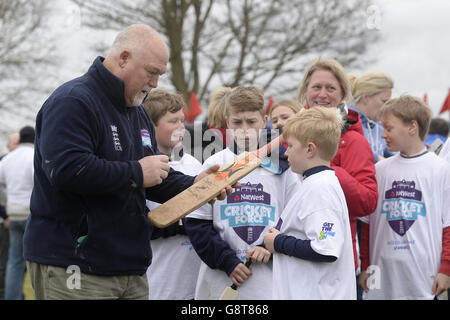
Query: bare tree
26,54
239,42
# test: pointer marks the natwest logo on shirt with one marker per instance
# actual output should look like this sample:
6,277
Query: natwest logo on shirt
248,211
402,206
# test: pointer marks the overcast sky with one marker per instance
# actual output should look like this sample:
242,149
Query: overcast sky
415,47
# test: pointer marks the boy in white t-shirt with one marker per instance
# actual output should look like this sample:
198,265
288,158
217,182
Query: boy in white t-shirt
312,244
174,269
223,233
407,240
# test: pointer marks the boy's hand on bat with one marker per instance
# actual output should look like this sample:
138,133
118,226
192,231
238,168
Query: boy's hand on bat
240,274
224,192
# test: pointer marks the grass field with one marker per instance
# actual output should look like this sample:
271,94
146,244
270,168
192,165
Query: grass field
29,293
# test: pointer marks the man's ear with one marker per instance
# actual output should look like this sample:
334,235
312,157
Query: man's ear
124,57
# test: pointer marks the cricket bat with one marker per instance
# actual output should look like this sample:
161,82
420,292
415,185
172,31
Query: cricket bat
231,293
210,186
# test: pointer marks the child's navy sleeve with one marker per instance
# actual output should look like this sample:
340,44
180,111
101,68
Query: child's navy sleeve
298,248
172,230
210,247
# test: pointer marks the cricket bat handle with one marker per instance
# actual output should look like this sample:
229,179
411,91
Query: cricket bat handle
272,145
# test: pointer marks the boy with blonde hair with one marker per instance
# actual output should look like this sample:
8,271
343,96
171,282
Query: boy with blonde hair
407,239
222,233
312,245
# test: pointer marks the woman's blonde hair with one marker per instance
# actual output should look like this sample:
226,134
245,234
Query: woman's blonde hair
319,125
217,110
370,83
330,65
294,105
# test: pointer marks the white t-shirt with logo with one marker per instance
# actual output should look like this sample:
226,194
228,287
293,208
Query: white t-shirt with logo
242,219
406,229
319,213
175,264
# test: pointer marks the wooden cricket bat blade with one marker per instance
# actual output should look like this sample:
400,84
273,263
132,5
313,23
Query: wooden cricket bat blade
230,293
203,191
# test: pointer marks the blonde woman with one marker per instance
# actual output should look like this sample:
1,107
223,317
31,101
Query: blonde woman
370,92
325,84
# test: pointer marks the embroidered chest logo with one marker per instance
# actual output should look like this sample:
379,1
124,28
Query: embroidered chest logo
146,141
116,140
248,211
402,206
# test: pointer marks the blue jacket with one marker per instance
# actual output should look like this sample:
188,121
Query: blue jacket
88,204
372,131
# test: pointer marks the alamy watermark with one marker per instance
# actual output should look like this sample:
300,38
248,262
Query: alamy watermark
202,144
374,279
74,280
373,21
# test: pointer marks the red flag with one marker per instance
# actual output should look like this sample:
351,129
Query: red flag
194,111
269,106
446,105
425,98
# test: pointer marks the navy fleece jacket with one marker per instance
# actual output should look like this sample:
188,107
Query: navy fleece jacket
88,204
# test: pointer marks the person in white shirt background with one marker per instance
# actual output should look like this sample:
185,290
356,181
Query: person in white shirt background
13,143
16,172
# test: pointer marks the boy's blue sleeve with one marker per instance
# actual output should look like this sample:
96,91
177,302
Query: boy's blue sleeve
298,248
210,247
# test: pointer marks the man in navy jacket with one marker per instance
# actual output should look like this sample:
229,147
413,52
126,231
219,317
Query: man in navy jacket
96,161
